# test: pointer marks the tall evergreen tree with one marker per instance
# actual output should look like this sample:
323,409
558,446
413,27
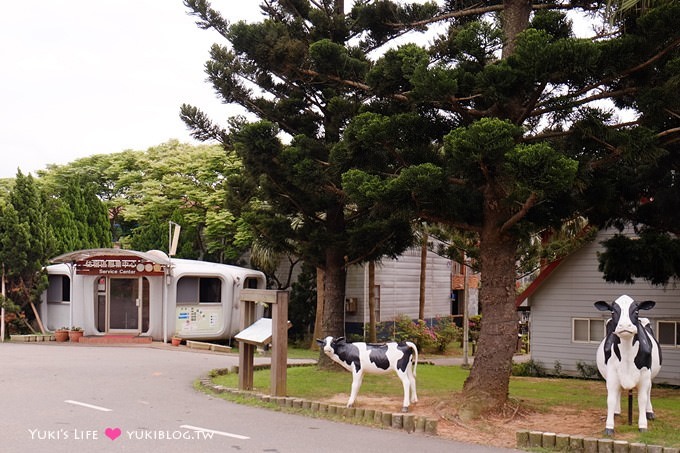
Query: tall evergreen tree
78,218
530,146
26,243
497,127
289,71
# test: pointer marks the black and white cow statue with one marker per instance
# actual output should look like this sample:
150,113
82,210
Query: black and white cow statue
628,357
360,358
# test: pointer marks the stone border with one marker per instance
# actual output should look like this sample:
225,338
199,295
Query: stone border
581,444
407,422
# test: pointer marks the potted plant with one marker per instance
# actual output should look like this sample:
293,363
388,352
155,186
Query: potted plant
62,334
75,333
175,340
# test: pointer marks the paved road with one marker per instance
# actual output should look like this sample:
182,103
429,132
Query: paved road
77,398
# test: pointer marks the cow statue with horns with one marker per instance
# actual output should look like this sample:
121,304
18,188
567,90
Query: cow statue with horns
628,357
360,358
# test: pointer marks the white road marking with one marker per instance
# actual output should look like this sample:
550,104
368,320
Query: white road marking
90,406
219,433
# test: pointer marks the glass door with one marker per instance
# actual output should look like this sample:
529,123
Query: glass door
124,305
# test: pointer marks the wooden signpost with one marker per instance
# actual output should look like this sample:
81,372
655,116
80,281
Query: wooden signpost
263,331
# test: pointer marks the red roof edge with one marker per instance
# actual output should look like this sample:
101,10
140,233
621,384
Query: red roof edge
545,273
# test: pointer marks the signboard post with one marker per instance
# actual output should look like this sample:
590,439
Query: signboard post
258,333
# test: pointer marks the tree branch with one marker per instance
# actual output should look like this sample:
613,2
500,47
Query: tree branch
519,215
478,11
460,225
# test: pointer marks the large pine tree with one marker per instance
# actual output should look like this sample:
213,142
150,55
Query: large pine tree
26,243
532,143
496,126
290,70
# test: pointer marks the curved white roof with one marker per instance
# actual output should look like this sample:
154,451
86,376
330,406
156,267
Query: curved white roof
155,256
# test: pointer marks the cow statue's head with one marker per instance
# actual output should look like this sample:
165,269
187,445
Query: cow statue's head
328,343
625,314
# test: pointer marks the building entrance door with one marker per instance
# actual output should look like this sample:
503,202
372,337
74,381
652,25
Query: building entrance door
124,305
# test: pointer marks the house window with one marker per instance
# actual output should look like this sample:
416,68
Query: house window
59,289
669,333
587,330
193,290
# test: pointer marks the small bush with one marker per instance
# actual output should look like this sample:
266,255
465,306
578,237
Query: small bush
528,369
433,337
416,331
587,370
446,331
557,369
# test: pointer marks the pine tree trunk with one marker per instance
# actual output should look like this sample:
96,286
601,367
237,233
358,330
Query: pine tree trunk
372,337
423,276
333,322
487,385
318,318
515,20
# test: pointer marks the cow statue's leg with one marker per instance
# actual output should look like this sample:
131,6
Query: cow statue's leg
412,382
357,379
649,411
613,399
644,390
406,383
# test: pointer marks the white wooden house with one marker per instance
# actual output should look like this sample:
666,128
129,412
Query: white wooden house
565,326
397,289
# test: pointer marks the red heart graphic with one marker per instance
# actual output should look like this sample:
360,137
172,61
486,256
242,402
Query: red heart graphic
112,433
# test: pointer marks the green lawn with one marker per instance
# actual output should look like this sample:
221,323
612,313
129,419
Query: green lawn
540,394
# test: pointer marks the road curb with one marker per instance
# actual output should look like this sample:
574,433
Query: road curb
364,416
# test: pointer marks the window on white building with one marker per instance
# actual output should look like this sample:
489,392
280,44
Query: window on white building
586,330
669,333
193,290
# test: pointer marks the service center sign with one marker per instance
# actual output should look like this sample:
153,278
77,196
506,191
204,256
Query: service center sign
129,266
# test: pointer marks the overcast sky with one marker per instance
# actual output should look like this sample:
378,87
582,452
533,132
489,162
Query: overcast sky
84,77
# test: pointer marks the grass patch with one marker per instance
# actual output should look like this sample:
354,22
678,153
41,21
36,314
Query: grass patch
544,395
303,382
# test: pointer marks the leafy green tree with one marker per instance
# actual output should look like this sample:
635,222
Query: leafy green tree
529,144
78,218
498,128
144,190
648,195
289,71
26,243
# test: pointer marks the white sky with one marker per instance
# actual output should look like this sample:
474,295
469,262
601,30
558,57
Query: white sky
84,77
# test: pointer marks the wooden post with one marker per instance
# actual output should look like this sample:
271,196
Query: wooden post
279,338
279,344
246,351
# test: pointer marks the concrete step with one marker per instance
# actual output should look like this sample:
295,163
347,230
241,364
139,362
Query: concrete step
115,339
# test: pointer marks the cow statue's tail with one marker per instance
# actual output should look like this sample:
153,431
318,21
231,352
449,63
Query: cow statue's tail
414,348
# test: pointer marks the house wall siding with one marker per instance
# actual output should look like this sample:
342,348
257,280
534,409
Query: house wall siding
399,281
571,291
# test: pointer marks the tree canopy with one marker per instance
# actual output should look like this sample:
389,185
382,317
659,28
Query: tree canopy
290,70
144,190
506,124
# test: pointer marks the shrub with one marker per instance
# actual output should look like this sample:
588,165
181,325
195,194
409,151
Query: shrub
435,337
406,329
446,331
529,369
557,369
587,370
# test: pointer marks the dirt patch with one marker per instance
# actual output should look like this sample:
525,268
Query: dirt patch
497,430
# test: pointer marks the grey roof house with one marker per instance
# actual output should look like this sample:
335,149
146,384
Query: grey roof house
565,326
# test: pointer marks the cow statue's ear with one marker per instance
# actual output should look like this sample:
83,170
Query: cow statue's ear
602,306
646,305
320,341
339,340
